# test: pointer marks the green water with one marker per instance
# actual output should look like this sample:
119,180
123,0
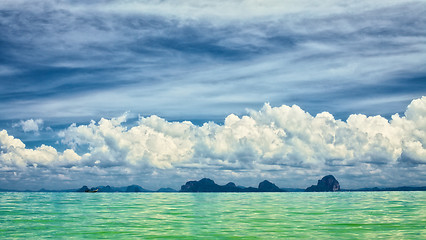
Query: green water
344,215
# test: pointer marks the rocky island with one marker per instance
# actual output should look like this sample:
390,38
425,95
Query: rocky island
208,185
131,188
326,184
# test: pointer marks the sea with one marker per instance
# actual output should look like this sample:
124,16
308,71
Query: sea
290,215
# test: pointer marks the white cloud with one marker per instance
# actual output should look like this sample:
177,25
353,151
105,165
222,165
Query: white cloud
111,144
13,153
285,140
301,51
30,125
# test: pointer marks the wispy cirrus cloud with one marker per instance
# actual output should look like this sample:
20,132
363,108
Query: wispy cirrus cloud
226,55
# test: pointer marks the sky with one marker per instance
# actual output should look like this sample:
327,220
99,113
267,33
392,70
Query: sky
158,93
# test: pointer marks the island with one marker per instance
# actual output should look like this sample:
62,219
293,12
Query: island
208,185
131,188
326,184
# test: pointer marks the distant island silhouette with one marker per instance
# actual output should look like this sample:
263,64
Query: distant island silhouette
131,188
208,185
327,184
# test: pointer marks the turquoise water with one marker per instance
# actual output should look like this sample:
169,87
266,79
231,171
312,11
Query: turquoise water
343,215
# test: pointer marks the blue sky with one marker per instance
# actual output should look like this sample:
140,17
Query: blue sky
65,62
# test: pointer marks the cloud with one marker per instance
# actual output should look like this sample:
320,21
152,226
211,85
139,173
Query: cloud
30,125
91,59
14,154
272,142
111,144
75,61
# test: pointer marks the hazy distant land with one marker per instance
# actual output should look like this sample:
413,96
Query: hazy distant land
327,184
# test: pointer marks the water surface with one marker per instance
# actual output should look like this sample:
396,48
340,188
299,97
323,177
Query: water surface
342,215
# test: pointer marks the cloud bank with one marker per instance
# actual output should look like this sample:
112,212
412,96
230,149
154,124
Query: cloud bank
281,143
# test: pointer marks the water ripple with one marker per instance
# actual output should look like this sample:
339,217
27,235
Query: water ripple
345,215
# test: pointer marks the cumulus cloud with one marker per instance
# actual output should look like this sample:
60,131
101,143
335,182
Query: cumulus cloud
15,154
30,125
281,140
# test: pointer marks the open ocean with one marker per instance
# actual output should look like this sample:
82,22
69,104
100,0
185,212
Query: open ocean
341,215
